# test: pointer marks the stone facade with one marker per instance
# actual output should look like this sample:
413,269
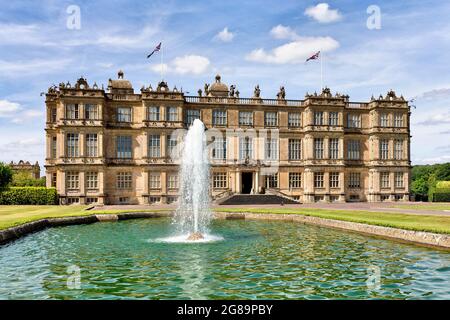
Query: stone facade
33,170
116,146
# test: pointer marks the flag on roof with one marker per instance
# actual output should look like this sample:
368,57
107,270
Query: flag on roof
157,48
314,56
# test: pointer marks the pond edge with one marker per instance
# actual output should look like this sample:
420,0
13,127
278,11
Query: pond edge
429,239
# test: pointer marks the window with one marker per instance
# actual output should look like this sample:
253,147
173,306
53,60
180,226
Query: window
272,181
171,200
333,118
191,115
384,149
54,144
124,114
219,117
91,200
53,115
91,145
219,150
385,197
294,119
73,200
271,149
172,114
398,149
245,148
154,146
91,111
91,180
54,179
295,149
154,180
245,118
354,121
334,198
153,113
354,180
384,179
353,150
124,200
72,111
72,145
153,200
171,146
295,180
398,120
72,180
318,179
334,179
124,180
172,181
399,180
124,146
334,148
318,148
384,120
271,118
219,180
318,118
354,197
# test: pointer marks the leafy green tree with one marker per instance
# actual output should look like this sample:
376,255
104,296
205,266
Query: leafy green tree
6,175
24,179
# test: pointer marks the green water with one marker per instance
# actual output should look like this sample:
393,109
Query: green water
256,260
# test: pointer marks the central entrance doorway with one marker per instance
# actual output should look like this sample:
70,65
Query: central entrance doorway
247,182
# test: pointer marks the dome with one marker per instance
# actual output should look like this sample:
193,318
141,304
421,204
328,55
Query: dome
218,88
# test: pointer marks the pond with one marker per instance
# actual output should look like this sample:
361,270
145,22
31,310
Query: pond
247,260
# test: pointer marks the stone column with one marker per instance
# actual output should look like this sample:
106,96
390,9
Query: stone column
82,187
257,181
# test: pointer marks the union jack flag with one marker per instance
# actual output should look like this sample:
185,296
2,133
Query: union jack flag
314,57
157,48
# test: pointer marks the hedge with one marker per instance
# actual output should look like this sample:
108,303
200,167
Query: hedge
29,195
441,197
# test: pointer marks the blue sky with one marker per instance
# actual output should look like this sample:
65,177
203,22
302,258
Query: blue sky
248,43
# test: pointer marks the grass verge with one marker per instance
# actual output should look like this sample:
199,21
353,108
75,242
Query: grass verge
425,206
11,216
430,223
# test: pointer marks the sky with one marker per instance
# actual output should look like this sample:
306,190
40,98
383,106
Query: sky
368,48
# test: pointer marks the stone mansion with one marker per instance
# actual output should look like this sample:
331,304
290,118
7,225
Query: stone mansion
116,146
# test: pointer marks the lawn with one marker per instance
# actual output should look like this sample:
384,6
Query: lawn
425,206
15,215
431,223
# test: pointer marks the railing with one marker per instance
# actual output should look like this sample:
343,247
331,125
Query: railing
234,100
357,105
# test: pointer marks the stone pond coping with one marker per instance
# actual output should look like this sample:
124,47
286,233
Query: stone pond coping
437,240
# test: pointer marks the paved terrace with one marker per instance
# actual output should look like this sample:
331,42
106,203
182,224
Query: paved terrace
420,208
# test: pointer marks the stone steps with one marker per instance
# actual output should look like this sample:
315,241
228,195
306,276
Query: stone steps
249,199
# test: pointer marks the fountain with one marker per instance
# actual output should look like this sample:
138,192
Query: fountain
193,214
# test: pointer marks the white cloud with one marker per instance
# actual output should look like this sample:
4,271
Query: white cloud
22,68
294,52
141,40
436,118
188,64
224,35
28,115
323,14
433,160
160,67
283,32
8,108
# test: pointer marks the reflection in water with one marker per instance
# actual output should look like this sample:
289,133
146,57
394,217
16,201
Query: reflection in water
255,260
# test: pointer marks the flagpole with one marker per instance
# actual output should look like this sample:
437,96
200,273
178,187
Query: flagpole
162,61
321,71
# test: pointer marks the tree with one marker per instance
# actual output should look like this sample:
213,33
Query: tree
24,179
6,175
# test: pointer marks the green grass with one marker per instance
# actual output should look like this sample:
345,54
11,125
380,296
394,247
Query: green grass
425,206
11,216
430,223
15,215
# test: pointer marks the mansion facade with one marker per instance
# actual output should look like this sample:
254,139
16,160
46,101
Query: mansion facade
115,146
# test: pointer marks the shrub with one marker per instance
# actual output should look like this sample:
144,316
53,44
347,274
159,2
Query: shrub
441,197
29,196
6,175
